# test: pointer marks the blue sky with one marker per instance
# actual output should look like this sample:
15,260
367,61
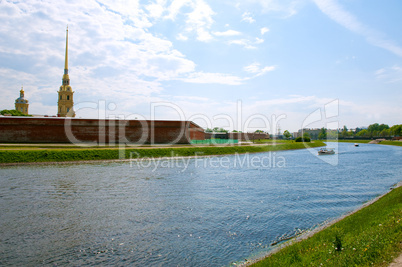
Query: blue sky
235,64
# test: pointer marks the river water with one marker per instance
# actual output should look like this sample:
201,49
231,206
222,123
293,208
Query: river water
182,212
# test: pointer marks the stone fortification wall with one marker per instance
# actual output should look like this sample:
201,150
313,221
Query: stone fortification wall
72,130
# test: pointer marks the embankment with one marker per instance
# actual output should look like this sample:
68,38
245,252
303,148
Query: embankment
17,156
370,236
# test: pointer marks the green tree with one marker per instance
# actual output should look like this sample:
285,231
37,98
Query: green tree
332,134
396,130
363,133
302,139
385,132
373,129
306,135
357,130
323,134
219,130
383,127
287,134
13,112
344,132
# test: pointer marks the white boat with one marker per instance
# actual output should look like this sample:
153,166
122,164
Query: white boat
326,151
356,144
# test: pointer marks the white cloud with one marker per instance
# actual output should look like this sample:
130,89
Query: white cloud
286,7
198,19
181,37
290,100
217,78
264,30
156,10
336,12
389,75
243,42
246,43
196,98
259,40
227,33
176,6
112,53
247,17
359,114
256,69
203,35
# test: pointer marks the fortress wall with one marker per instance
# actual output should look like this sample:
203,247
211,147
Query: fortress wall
70,130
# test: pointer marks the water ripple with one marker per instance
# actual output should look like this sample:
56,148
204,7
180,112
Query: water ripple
114,214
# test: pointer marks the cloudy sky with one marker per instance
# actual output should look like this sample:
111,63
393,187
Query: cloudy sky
236,64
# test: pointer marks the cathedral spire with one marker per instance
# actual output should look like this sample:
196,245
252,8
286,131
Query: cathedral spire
66,78
65,102
66,59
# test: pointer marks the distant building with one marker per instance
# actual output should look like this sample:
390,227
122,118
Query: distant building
65,101
21,104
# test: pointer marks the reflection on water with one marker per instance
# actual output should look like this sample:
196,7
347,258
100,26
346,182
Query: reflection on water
201,215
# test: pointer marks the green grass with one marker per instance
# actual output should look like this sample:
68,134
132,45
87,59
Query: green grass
58,155
263,141
269,141
351,141
369,237
391,143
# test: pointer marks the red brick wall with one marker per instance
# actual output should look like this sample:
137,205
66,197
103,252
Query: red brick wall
66,130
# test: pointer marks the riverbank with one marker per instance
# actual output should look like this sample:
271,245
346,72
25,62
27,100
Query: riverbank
369,236
30,154
387,142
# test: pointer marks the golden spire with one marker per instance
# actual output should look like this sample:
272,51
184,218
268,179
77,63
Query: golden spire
66,59
65,103
66,78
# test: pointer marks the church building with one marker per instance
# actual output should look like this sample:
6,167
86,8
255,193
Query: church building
21,104
65,99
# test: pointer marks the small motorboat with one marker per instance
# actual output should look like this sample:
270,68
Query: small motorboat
326,151
356,144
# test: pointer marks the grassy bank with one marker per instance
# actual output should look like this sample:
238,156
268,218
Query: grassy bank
270,141
59,155
391,143
351,141
369,237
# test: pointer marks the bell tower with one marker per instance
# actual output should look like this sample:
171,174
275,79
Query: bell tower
21,104
65,101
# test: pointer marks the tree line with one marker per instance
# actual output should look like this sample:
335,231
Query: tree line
13,112
222,130
373,130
